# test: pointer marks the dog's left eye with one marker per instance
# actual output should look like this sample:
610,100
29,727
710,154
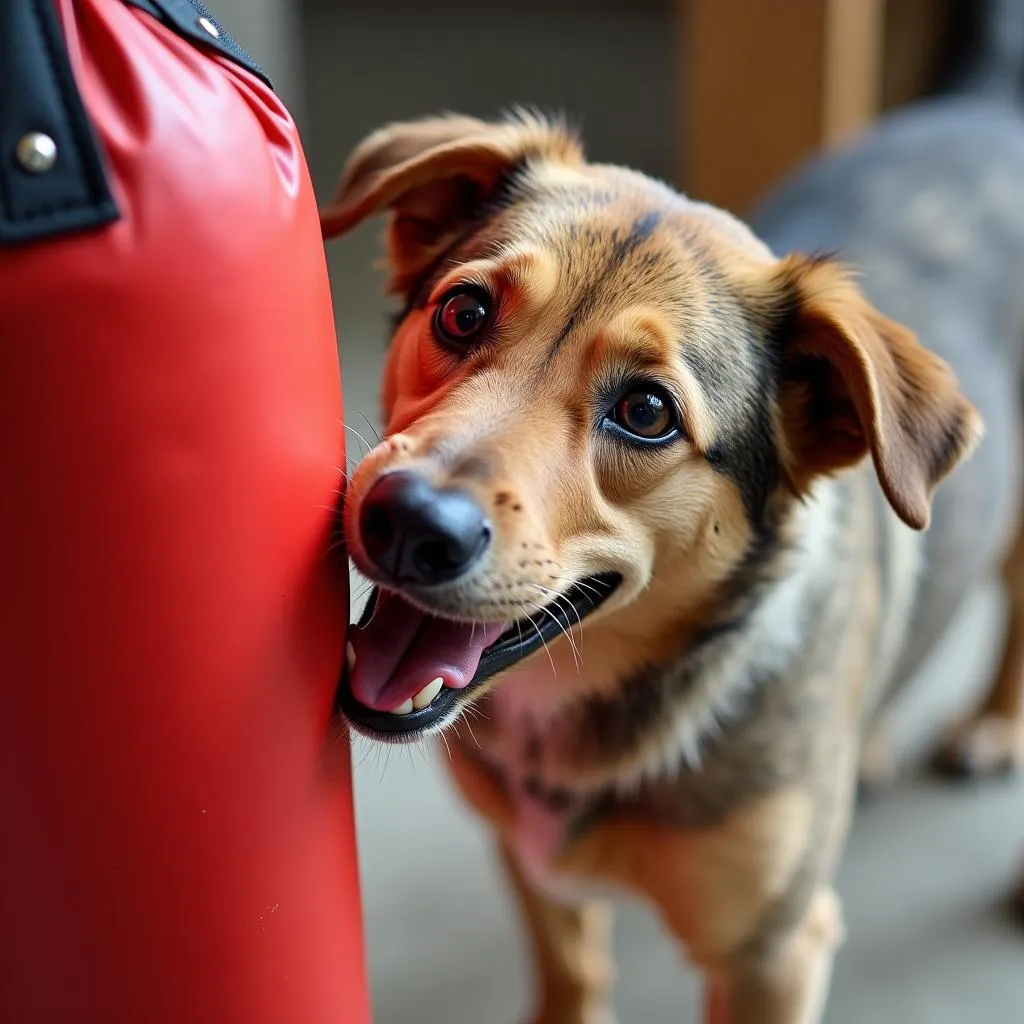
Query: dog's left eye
645,413
462,316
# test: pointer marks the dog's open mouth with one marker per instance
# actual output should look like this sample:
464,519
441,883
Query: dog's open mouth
411,670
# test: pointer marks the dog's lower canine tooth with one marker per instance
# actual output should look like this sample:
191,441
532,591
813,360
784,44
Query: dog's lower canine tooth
350,656
428,693
405,708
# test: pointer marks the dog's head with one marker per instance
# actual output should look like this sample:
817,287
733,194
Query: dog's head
599,399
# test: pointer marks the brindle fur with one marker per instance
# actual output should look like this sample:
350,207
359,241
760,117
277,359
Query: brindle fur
700,748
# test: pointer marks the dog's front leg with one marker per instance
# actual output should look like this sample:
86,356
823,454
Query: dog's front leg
571,945
787,982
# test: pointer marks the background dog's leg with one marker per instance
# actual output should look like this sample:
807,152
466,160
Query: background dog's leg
571,953
991,741
787,984
1018,897
877,766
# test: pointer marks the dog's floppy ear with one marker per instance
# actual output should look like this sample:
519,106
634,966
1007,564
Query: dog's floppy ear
432,175
852,382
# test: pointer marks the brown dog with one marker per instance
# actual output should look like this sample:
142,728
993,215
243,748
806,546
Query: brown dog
623,523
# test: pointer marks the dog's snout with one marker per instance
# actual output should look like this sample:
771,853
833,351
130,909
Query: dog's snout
414,532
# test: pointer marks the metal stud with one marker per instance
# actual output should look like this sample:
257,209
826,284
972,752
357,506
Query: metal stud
209,28
36,152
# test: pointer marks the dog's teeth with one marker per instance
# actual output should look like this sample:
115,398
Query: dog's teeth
428,693
350,656
405,708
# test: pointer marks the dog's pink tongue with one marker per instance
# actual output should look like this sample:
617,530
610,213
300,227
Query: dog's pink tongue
402,649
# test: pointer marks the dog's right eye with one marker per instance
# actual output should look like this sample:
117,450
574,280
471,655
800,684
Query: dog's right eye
644,414
462,316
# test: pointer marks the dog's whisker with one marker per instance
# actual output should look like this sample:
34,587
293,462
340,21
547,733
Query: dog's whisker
554,671
469,727
334,546
387,761
368,749
474,707
373,429
540,607
581,584
369,447
562,602
566,629
568,625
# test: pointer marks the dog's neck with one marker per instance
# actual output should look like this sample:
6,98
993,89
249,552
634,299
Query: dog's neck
621,729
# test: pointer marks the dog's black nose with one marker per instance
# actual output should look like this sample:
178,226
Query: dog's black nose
415,533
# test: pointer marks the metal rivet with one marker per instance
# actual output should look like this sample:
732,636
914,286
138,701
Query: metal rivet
209,28
36,152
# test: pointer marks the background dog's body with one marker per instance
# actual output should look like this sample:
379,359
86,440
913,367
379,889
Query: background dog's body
928,207
706,755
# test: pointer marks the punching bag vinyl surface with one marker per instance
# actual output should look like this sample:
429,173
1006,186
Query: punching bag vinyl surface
177,836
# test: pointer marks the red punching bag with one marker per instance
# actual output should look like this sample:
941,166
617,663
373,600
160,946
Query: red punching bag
176,838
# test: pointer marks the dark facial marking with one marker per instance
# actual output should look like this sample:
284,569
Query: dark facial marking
642,229
737,378
622,248
569,324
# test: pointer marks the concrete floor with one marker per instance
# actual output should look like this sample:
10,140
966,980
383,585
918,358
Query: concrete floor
926,866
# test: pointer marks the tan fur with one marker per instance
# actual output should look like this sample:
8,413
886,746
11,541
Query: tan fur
741,874
572,954
791,985
427,173
713,885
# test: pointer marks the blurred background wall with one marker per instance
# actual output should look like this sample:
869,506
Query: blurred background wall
607,64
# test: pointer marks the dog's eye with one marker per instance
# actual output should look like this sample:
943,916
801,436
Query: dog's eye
645,413
461,316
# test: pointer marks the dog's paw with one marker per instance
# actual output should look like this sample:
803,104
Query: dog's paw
981,747
605,1015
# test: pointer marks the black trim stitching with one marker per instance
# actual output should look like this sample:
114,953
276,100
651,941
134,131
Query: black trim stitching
182,17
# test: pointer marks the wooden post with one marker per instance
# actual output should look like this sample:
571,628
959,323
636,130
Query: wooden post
766,83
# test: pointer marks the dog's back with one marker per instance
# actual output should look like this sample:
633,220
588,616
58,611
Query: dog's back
930,207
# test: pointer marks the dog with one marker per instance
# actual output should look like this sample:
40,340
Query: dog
657,526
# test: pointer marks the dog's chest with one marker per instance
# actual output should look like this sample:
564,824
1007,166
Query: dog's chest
546,815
